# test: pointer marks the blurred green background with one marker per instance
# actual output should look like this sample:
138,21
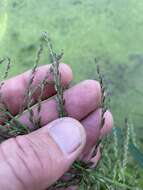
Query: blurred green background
110,30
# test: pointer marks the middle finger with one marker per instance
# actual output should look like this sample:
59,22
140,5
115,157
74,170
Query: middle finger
80,100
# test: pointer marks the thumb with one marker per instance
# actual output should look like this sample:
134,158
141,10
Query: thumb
37,160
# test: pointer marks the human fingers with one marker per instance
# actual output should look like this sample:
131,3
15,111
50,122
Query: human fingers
14,89
37,160
94,132
80,100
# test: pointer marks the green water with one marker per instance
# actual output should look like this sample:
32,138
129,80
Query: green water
110,30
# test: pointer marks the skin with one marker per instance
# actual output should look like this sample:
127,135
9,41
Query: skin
25,162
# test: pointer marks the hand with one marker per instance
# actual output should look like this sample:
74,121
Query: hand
37,160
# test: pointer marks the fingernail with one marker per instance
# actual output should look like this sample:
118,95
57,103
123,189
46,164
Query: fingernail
66,134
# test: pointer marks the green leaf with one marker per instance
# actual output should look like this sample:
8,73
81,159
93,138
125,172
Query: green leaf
137,155
134,151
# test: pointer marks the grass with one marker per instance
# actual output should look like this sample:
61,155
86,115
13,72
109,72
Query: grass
109,30
114,170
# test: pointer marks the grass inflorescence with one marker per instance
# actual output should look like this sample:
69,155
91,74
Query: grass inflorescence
55,59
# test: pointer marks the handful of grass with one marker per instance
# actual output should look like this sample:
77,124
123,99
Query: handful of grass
86,175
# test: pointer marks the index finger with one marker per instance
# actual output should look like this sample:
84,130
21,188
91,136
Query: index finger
13,90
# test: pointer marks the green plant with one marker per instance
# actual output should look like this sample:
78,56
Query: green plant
113,171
